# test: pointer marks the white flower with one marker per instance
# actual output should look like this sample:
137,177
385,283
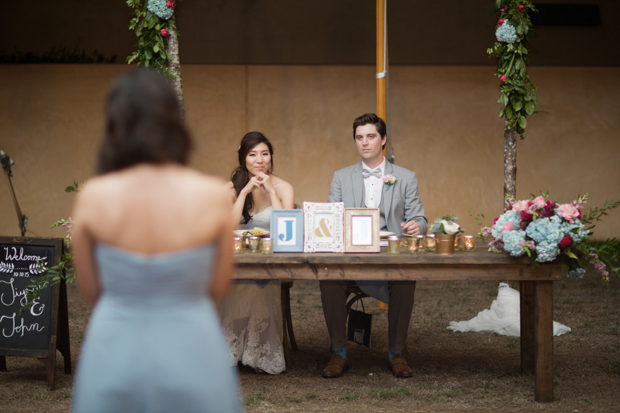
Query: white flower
450,227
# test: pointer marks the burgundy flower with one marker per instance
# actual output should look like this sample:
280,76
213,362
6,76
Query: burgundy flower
521,7
495,220
500,22
504,8
526,218
164,32
567,241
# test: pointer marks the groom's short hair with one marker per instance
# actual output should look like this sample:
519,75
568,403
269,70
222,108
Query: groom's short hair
370,118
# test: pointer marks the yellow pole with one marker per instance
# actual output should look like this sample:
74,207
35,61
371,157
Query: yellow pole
381,61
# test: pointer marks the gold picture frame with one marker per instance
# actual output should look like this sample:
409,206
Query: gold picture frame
361,230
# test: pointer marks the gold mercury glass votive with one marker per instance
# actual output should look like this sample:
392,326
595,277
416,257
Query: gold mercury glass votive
267,245
430,243
412,245
393,244
238,245
253,244
468,243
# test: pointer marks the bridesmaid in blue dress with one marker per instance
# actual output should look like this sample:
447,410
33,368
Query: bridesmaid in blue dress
152,243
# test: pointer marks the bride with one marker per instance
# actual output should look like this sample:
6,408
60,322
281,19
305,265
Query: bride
251,312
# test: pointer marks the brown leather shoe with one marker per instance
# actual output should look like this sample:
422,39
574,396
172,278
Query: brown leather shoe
336,366
399,366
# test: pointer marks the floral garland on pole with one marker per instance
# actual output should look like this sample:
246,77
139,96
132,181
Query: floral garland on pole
514,29
152,25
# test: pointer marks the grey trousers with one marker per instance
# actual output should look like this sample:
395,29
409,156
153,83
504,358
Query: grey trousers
334,302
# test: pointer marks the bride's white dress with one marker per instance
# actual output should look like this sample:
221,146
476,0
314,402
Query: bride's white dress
251,315
503,318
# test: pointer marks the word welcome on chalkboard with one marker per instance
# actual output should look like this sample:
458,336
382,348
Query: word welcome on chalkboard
44,327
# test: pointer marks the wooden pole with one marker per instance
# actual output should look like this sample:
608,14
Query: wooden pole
382,74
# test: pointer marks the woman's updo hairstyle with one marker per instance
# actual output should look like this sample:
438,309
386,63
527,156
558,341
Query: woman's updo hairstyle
241,176
143,123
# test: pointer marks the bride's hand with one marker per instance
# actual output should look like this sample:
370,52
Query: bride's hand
254,182
265,180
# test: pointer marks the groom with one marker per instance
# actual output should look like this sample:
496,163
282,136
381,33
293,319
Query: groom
361,185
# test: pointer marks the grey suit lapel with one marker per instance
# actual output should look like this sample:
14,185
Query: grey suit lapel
387,195
357,184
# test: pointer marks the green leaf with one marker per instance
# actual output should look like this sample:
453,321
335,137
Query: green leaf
498,3
501,113
504,99
508,112
522,121
529,107
517,106
156,48
148,53
571,254
519,64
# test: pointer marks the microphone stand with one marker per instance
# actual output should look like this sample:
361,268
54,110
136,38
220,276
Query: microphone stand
6,165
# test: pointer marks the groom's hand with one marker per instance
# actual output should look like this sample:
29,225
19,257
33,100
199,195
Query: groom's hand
411,228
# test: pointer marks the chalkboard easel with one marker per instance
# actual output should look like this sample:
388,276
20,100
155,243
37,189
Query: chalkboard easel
43,329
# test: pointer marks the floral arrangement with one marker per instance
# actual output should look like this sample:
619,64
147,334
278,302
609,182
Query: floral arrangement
513,30
152,25
446,225
389,180
544,229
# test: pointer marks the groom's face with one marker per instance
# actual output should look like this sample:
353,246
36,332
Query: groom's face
369,144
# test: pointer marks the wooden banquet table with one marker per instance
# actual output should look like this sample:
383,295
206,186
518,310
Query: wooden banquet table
536,285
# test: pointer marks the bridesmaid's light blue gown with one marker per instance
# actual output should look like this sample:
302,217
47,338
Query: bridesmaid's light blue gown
154,342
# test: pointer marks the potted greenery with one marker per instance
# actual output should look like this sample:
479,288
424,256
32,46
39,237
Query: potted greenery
446,229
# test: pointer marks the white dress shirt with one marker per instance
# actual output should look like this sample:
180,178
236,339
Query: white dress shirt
373,186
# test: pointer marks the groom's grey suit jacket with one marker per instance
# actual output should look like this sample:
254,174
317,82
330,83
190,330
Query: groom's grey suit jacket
399,204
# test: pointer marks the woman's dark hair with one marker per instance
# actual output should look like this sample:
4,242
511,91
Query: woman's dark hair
143,123
241,176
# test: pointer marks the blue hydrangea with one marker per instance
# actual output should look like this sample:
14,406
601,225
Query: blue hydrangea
547,233
576,230
576,273
506,217
159,8
506,32
513,242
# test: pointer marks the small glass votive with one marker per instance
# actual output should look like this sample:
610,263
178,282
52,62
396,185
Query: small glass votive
393,244
468,243
420,239
412,245
267,245
457,242
430,243
253,244
238,245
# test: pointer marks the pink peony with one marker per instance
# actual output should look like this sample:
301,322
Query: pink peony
521,7
509,226
520,206
539,201
568,212
164,32
503,78
169,4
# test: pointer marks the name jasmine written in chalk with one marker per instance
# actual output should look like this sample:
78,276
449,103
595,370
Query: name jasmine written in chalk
8,294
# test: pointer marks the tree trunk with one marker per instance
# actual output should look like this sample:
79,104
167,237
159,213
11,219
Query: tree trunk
174,66
510,164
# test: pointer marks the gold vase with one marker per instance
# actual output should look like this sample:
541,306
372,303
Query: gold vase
445,244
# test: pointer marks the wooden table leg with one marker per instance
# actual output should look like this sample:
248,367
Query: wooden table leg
543,338
527,307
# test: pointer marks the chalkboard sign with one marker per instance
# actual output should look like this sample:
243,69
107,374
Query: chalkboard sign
42,329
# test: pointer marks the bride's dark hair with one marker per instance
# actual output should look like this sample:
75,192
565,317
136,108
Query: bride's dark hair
241,176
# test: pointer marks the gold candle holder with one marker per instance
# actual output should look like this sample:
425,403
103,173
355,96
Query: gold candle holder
457,242
238,245
420,242
430,243
468,243
393,244
267,245
412,245
253,244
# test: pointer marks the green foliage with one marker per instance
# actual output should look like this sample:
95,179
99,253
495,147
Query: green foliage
517,90
151,43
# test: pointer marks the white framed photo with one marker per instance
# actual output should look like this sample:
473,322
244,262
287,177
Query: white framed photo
323,227
287,230
361,230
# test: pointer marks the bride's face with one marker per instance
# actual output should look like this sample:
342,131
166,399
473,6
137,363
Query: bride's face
258,159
